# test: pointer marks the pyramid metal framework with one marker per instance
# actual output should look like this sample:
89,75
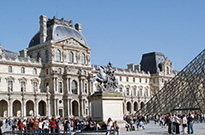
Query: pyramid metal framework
186,91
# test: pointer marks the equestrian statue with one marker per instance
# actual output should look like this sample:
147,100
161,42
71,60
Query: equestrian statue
107,81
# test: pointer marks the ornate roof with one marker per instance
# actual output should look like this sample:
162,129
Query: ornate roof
58,29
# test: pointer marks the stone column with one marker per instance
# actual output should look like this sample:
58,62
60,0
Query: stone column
48,106
71,108
57,107
24,107
10,108
68,107
37,108
54,101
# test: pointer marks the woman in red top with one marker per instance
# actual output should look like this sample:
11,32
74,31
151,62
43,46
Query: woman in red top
21,125
53,123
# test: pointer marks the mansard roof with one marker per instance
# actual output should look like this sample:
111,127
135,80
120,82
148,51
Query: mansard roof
58,29
152,61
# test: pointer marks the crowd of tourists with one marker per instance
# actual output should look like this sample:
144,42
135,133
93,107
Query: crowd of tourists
135,121
58,125
172,121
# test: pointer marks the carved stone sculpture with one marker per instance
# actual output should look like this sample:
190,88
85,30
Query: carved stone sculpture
107,81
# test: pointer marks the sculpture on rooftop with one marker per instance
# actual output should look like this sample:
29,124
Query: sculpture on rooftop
107,81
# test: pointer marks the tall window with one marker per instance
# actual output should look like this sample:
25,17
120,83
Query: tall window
60,87
133,79
127,79
74,87
135,92
140,80
82,58
34,71
167,70
38,56
59,70
47,56
71,57
120,89
23,86
10,69
86,89
22,70
10,85
120,78
58,55
128,92
140,92
35,86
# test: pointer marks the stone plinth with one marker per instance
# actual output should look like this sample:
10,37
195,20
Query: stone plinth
105,105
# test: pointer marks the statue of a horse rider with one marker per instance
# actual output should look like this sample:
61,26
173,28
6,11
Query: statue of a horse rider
107,80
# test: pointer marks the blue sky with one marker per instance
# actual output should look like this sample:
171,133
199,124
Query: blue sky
116,30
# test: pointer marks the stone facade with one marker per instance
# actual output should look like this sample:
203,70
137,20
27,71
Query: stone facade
52,77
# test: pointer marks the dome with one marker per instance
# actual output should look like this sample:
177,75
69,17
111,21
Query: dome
57,30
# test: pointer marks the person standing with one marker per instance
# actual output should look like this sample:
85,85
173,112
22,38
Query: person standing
1,124
109,124
190,123
46,125
184,124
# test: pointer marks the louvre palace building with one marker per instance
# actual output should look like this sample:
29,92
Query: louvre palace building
53,76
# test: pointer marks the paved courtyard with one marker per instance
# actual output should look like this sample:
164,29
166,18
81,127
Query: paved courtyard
152,129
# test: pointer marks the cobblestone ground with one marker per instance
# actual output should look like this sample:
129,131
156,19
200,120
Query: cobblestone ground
153,129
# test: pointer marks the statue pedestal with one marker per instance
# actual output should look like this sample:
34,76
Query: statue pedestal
105,105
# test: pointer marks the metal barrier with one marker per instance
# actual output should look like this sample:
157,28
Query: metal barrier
40,132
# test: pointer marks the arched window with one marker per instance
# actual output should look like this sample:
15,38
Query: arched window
135,94
22,70
82,58
140,92
167,70
23,88
47,56
10,85
71,57
128,91
34,71
10,69
38,56
74,87
58,55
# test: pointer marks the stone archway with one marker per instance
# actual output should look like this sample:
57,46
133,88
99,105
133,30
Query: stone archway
75,108
141,105
135,106
3,108
42,108
17,108
129,107
29,108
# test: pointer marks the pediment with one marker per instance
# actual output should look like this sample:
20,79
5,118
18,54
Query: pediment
72,42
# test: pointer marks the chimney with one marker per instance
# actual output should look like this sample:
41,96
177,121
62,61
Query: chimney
0,49
131,66
43,28
23,53
78,27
